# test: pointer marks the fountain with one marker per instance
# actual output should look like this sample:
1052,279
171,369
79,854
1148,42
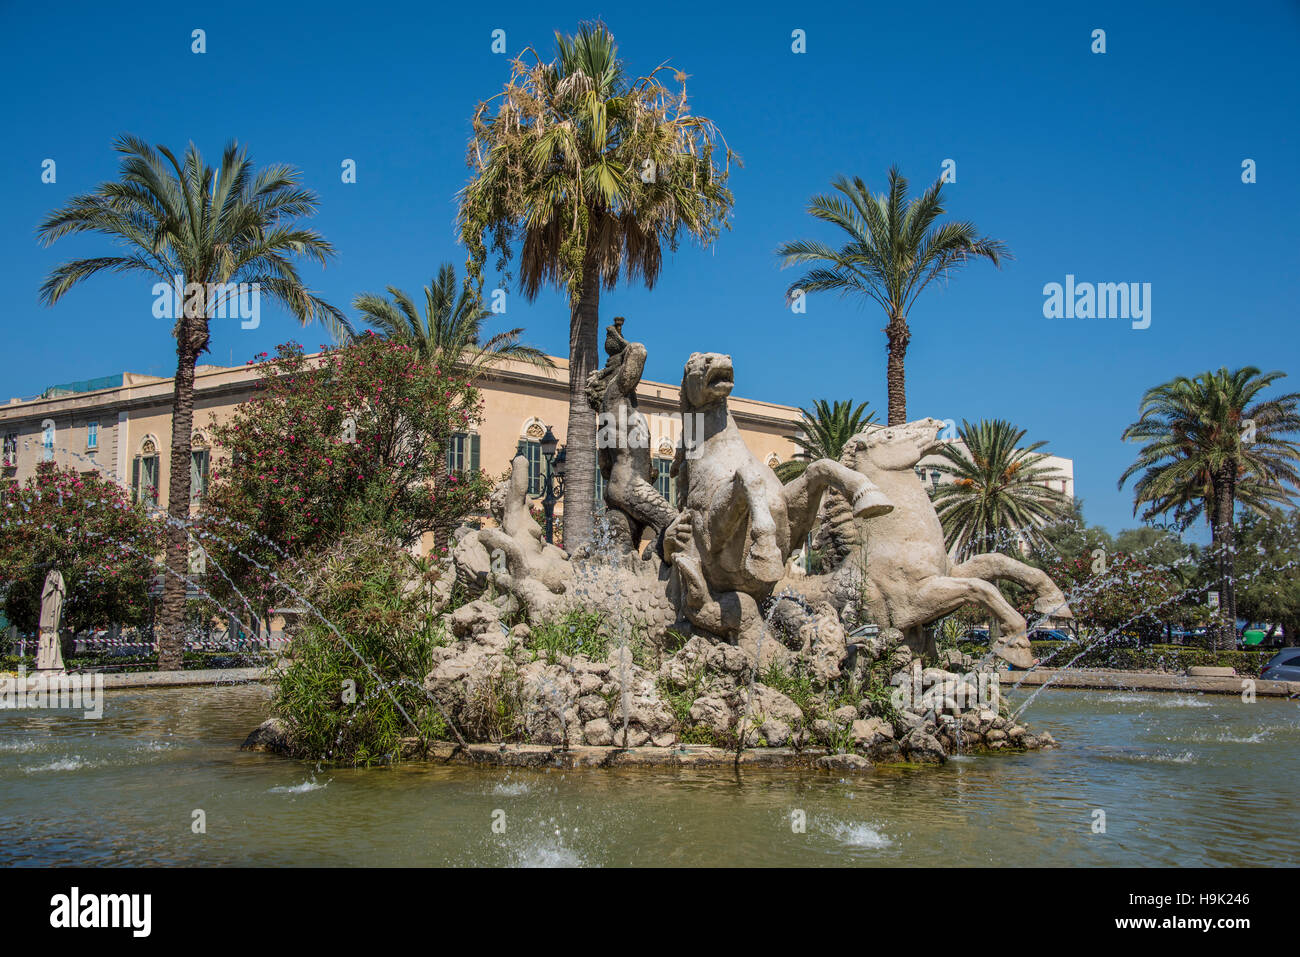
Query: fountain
691,658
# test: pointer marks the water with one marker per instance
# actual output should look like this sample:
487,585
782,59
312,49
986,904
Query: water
1183,779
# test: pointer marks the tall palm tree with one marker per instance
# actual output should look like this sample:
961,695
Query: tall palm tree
895,249
998,496
450,329
181,221
1211,442
825,430
590,175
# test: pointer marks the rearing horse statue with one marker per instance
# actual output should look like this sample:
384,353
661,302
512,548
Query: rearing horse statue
900,564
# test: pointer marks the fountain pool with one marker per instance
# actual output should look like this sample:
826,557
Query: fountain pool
1183,780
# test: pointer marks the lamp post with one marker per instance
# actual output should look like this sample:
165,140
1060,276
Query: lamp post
553,489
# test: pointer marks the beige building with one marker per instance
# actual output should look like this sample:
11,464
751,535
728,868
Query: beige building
120,426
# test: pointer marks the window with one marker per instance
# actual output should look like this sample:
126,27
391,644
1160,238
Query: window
144,474
664,481
462,453
92,436
11,450
200,461
47,441
536,476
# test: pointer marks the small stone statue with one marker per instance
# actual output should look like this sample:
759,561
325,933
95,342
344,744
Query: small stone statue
614,341
49,653
634,506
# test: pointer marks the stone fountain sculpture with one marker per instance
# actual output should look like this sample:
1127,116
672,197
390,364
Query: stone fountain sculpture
722,549
633,504
738,523
681,620
514,556
898,564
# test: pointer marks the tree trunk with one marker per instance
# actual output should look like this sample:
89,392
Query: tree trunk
898,337
1221,537
580,439
441,531
169,631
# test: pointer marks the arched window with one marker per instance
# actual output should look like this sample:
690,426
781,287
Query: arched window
530,447
664,481
200,464
144,473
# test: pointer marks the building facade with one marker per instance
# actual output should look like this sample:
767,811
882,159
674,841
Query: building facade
120,426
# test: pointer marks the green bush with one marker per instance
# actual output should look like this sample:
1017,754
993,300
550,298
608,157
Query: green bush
353,686
1150,657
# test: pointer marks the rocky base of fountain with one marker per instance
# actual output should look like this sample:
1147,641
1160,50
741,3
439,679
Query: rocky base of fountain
816,699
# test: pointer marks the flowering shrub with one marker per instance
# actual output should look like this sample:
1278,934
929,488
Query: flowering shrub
1129,596
351,441
87,527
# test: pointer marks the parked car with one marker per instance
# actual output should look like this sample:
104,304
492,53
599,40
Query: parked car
1283,666
1048,634
980,635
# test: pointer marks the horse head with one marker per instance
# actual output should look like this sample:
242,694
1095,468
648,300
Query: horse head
707,380
893,448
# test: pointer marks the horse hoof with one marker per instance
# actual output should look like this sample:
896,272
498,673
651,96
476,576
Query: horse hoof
1016,651
1053,607
871,502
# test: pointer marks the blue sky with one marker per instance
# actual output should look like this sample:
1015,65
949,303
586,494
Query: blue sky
1115,167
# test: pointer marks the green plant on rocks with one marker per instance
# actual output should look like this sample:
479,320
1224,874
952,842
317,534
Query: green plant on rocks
350,693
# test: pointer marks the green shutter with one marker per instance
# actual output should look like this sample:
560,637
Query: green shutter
135,479
473,452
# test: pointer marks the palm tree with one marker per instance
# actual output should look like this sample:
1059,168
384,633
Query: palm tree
825,430
591,175
895,249
1211,442
182,222
450,329
998,496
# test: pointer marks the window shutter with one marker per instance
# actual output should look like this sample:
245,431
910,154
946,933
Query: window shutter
135,479
473,452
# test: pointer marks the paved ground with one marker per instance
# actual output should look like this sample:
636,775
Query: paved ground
1146,681
174,679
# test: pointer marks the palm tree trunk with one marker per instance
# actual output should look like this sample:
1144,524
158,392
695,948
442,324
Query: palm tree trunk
1221,539
580,438
441,531
171,611
898,336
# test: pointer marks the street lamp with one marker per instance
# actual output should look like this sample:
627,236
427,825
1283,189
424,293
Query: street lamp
554,471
